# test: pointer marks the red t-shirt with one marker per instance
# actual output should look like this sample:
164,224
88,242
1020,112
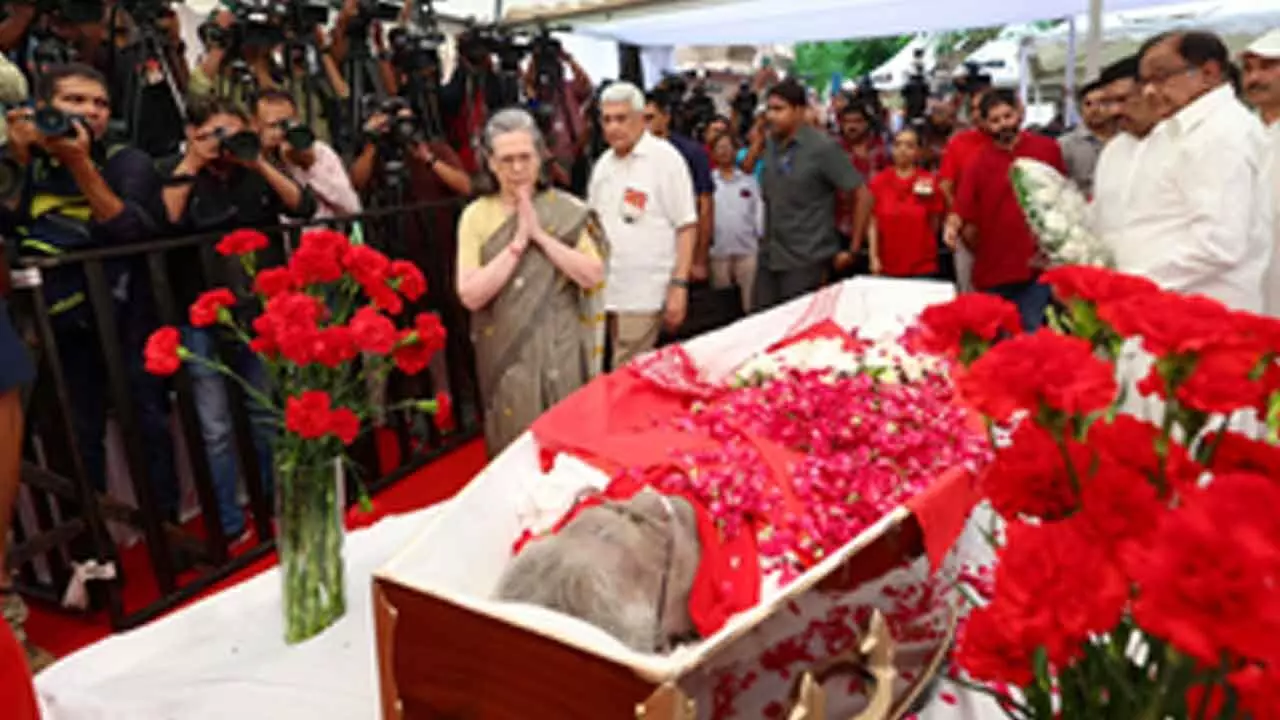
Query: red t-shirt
17,696
963,147
1005,246
907,243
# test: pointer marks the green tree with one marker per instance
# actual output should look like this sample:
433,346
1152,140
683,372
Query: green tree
817,61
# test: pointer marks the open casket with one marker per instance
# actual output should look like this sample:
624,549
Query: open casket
447,650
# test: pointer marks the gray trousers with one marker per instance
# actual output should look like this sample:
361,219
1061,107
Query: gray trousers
774,287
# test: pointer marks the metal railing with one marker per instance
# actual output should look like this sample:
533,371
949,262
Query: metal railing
71,519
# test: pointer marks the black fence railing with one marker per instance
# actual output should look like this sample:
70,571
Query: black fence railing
129,471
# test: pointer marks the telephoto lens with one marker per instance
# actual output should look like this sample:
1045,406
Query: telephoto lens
244,145
52,122
299,136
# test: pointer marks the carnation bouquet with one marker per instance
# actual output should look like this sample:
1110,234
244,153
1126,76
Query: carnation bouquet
1056,211
324,327
1138,563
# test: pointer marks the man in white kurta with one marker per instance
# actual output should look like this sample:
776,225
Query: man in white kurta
1261,62
1199,215
1119,164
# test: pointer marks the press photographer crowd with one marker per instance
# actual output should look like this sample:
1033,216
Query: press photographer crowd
563,225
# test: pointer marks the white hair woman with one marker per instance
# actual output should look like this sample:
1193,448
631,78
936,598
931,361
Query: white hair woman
529,258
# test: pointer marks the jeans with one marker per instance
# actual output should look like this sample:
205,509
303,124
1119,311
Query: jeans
85,373
219,431
1032,299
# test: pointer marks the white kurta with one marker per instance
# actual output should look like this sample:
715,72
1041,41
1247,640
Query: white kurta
1271,292
1198,213
1112,181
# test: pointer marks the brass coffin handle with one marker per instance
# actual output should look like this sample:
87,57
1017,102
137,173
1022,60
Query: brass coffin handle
872,656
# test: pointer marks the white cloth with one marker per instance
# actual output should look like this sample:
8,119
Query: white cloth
1198,217
1112,182
225,657
642,200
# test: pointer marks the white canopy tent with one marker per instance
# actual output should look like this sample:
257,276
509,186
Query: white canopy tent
893,74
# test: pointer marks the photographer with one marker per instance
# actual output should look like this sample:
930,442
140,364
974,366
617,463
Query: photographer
45,36
135,62
472,93
223,183
80,193
310,162
435,169
559,105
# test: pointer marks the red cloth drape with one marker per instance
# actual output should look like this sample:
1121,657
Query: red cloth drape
17,696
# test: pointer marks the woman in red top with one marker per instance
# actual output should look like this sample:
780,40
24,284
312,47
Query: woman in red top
908,213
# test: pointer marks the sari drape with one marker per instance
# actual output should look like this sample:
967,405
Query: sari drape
541,338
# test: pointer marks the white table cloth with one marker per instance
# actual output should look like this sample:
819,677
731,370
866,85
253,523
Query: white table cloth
225,657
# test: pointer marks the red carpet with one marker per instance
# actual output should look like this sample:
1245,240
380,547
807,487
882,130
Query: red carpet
62,632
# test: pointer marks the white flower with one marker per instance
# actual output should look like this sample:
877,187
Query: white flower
1056,224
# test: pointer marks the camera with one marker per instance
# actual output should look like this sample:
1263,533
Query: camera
299,135
258,24
915,93
744,103
147,12
973,80
402,128
414,48
244,145
52,122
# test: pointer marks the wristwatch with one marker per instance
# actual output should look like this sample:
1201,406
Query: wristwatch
680,283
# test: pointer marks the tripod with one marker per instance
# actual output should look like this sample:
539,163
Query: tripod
154,48
360,69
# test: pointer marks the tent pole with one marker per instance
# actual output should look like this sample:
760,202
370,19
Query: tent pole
1069,82
497,10
1093,50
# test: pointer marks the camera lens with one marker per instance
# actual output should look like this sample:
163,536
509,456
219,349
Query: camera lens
299,136
52,122
243,145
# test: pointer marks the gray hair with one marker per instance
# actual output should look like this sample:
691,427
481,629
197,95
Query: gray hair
626,568
623,92
508,121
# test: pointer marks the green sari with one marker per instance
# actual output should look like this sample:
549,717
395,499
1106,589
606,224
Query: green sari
541,338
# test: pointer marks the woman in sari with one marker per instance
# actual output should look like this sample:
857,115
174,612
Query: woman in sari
530,269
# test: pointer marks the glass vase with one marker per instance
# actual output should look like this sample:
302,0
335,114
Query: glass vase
309,541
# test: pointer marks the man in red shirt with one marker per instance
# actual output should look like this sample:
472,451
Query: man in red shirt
907,211
963,147
994,229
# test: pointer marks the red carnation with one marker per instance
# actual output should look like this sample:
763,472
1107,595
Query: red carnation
207,308
291,323
307,414
431,332
1041,369
993,647
1206,580
334,346
384,298
1233,452
265,342
273,281
324,241
411,356
1221,379
368,266
950,328
444,412
1120,507
163,352
1169,323
373,331
241,242
1259,689
1135,444
1030,478
1042,576
344,424
1094,284
409,279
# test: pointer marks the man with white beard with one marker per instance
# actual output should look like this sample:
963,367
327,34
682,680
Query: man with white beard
1199,213
1261,61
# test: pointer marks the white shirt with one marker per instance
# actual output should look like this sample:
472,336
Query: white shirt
1112,182
1198,216
642,200
739,215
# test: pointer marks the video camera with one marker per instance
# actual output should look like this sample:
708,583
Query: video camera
691,108
402,129
973,80
744,103
147,12
415,48
258,24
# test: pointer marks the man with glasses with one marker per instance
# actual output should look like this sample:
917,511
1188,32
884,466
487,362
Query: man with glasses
804,171
643,194
1199,215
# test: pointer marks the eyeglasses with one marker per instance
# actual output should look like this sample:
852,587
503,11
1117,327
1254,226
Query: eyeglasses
1160,77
